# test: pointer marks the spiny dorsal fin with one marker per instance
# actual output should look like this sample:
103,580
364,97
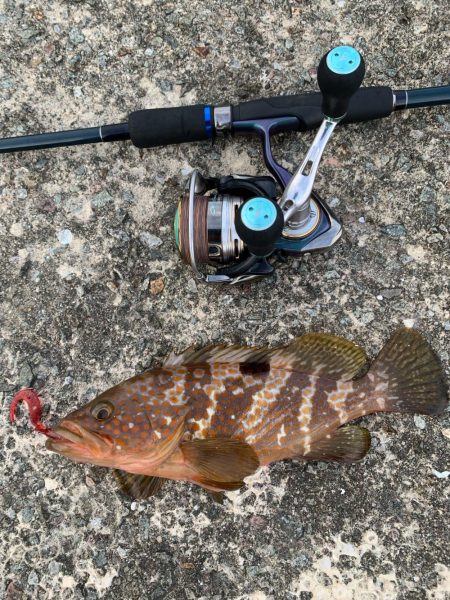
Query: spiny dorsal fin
138,486
348,444
221,460
318,354
221,354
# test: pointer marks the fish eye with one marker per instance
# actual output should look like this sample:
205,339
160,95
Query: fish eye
102,411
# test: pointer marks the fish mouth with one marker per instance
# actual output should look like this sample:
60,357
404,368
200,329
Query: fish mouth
74,439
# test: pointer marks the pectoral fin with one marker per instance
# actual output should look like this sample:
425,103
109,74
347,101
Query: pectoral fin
221,463
348,444
138,486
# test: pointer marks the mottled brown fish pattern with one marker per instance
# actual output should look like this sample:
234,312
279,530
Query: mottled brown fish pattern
213,416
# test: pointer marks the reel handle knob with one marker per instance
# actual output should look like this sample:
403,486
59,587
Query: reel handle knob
340,74
259,223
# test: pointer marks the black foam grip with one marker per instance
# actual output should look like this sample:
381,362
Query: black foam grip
163,126
366,104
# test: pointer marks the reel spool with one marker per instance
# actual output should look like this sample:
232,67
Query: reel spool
213,229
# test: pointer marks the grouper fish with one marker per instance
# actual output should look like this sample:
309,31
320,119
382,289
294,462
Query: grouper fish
214,416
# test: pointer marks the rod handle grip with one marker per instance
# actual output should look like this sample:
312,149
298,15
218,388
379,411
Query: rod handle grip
367,103
163,126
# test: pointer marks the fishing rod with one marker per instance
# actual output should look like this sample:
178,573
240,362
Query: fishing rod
235,223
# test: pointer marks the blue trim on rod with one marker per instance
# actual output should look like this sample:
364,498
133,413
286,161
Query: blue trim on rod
208,121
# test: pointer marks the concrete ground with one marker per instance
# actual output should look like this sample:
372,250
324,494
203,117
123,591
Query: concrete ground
85,231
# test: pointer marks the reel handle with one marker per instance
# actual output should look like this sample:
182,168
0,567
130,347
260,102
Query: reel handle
339,75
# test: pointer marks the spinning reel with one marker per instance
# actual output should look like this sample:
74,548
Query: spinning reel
235,223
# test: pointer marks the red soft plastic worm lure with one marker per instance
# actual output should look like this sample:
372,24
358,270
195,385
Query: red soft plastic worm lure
33,401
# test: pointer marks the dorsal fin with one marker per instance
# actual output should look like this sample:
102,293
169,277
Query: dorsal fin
221,354
319,354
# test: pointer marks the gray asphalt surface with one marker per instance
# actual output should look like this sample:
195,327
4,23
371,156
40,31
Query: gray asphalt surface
78,317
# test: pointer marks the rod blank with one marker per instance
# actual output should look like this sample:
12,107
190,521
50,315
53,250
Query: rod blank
90,135
422,97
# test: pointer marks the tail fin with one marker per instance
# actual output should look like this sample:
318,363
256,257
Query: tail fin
408,376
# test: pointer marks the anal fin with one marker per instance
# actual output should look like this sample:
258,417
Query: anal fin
348,444
138,486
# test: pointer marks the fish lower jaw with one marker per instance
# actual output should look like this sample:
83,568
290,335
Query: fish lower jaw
63,447
64,441
77,444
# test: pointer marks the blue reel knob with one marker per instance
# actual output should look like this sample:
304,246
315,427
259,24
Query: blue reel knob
258,214
259,223
343,60
340,74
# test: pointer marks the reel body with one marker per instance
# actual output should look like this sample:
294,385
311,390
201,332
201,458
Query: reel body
205,226
237,222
